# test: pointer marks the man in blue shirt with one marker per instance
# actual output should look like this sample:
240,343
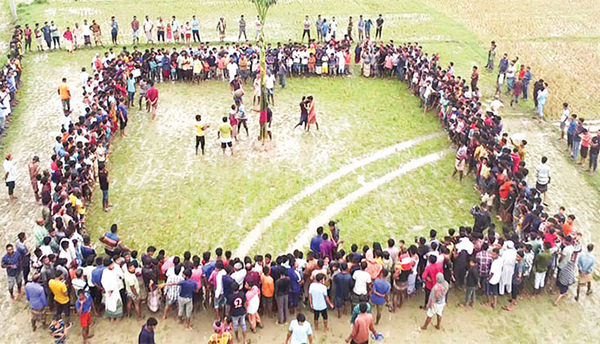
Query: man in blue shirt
47,35
295,277
381,287
83,305
147,333
585,264
86,249
98,271
122,117
316,241
12,263
526,80
130,89
343,284
187,287
114,30
36,296
368,24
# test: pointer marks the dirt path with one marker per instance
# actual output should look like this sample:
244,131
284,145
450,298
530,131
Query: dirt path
266,223
36,126
303,239
568,188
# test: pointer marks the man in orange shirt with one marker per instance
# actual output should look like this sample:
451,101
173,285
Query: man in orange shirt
65,95
268,288
363,324
568,226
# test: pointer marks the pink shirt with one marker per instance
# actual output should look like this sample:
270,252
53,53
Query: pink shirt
166,265
197,276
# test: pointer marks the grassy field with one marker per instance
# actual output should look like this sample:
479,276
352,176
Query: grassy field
160,189
359,115
557,38
166,196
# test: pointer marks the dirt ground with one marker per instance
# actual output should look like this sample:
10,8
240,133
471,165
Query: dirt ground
533,320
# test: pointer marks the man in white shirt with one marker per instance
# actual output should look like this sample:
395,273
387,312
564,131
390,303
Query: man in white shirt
542,178
494,277
270,84
333,27
239,274
232,68
496,105
87,33
219,300
300,331
306,26
258,25
83,77
362,279
10,176
148,26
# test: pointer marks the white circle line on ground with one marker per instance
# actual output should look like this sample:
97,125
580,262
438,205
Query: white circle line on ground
263,225
302,240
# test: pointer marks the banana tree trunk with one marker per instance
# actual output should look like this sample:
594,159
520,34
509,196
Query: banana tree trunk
263,89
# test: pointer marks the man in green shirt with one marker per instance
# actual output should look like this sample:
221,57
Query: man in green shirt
224,135
540,266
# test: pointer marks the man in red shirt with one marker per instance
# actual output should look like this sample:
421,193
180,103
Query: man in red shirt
152,95
474,78
430,273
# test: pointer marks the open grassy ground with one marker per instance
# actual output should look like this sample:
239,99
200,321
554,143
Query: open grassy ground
357,116
559,39
165,195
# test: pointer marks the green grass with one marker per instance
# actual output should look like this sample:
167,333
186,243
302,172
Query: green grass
160,190
285,229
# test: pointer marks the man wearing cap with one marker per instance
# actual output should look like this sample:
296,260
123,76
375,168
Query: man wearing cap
34,171
10,176
239,274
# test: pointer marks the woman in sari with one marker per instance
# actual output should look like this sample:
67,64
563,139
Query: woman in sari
437,301
112,284
312,113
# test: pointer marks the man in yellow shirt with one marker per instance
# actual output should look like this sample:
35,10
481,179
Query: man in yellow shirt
65,95
200,127
61,296
225,135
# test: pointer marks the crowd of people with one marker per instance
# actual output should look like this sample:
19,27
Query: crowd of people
532,249
49,36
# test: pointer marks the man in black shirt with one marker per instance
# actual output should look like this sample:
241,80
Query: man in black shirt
379,27
594,150
282,290
103,179
237,311
482,217
472,283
